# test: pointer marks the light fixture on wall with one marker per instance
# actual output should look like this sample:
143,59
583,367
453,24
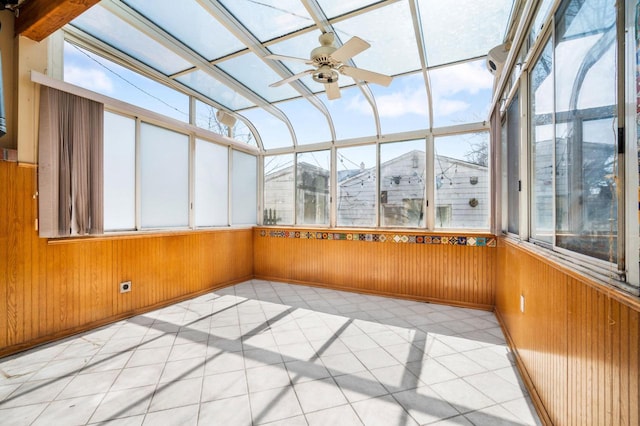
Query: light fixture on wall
225,118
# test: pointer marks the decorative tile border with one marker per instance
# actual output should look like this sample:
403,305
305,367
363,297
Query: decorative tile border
383,238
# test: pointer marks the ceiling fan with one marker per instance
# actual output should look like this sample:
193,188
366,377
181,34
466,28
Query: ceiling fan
329,63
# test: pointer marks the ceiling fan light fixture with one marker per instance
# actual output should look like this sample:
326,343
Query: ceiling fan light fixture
325,74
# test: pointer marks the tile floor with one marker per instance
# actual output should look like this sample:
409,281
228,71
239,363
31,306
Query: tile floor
272,353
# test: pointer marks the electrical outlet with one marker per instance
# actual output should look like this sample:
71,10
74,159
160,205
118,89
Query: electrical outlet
125,287
522,303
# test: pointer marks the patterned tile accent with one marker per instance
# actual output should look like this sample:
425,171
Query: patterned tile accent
384,238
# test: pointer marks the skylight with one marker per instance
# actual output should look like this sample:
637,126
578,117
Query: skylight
218,50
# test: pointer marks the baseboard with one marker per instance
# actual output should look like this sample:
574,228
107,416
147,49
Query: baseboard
524,373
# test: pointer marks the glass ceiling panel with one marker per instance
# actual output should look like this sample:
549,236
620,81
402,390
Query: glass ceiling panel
100,75
333,8
352,115
191,24
256,75
461,93
268,19
463,29
310,125
213,89
389,30
403,106
274,132
107,27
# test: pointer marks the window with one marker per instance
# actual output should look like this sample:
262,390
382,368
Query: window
541,140
586,128
462,180
244,189
119,172
278,190
402,177
357,186
211,184
443,216
164,177
312,187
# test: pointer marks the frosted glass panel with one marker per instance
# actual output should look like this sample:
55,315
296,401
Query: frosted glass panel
119,172
244,179
212,184
164,177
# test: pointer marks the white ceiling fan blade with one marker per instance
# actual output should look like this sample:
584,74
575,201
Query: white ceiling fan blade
366,75
288,58
350,49
292,78
333,91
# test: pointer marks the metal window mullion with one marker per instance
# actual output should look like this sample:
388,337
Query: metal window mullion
621,104
523,199
192,181
333,189
417,26
631,135
260,190
138,176
429,184
378,187
295,188
229,186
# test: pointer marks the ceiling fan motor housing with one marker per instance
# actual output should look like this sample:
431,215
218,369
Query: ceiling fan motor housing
325,74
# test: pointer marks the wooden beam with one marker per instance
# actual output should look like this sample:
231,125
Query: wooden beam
40,18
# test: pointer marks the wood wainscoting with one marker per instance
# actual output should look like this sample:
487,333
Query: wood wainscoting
577,342
400,264
50,289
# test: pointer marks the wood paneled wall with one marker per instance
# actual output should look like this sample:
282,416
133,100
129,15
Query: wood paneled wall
51,289
576,342
456,274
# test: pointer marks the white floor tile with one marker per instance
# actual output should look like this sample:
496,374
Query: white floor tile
230,411
360,386
274,404
263,352
73,411
343,416
383,411
224,385
176,394
424,405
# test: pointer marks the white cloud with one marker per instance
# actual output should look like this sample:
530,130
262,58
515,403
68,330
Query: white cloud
95,80
394,104
449,106
470,77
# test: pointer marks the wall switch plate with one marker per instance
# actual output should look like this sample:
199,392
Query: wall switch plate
125,287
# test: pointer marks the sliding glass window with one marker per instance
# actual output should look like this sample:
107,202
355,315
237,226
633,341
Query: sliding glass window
586,128
402,184
462,181
279,179
312,187
541,139
357,186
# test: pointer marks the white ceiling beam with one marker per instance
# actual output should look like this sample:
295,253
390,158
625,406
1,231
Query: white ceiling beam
219,12
324,25
167,40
